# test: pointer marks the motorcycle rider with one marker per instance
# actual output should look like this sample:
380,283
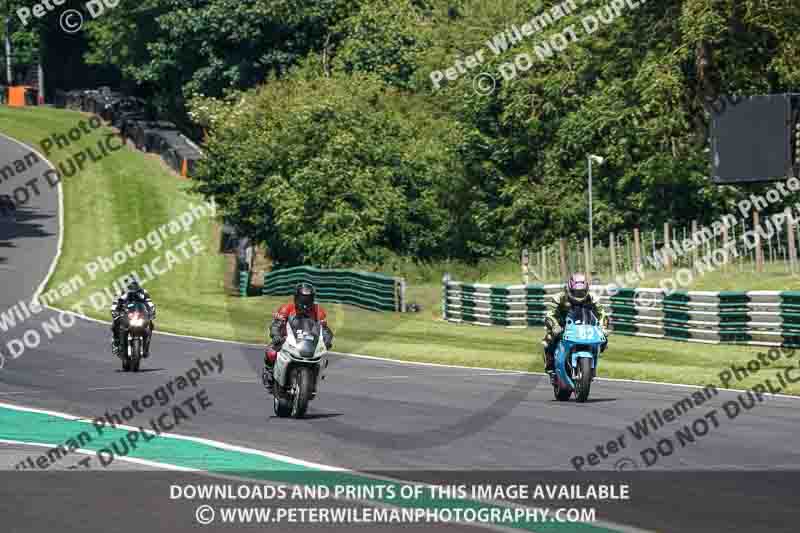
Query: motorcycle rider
303,305
133,292
576,295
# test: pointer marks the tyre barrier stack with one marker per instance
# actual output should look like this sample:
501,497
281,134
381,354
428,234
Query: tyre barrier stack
765,318
129,115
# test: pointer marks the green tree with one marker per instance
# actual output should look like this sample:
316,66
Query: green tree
334,171
346,124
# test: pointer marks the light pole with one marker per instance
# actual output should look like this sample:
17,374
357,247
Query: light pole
599,161
9,76
525,268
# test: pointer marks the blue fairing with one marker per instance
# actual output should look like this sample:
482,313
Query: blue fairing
586,336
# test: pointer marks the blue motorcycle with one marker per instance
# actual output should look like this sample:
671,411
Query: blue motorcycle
577,355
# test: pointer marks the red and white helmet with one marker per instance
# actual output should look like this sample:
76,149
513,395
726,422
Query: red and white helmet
578,288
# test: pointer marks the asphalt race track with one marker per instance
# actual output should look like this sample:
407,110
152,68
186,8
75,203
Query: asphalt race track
415,421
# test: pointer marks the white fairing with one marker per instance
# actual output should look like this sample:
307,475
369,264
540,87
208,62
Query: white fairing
289,353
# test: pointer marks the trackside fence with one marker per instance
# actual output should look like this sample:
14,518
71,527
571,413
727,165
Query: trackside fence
376,292
754,317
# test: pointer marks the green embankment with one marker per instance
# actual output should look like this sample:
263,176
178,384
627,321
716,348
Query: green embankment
126,195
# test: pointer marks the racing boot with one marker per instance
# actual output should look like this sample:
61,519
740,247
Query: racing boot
549,364
266,378
146,347
269,364
115,344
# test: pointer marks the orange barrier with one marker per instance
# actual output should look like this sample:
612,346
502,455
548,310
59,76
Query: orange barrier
16,96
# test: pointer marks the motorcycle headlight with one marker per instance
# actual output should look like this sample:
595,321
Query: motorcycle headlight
137,322
307,348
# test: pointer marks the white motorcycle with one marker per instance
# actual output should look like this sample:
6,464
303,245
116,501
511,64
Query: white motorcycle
299,367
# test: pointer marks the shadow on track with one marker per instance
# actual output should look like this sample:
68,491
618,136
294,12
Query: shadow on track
589,400
23,226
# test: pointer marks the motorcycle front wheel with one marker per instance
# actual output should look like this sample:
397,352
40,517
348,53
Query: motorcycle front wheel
303,387
123,354
136,354
584,381
281,406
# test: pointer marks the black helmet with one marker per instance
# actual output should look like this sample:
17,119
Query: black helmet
304,295
133,285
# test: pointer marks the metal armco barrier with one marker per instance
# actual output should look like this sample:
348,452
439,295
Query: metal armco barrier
755,317
377,292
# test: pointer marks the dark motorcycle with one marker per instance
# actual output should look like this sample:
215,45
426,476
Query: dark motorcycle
134,331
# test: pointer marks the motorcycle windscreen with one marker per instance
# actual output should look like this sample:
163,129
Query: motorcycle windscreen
137,307
307,333
582,326
582,315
